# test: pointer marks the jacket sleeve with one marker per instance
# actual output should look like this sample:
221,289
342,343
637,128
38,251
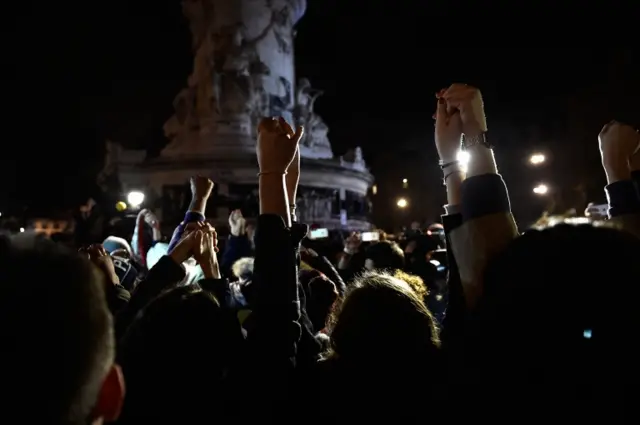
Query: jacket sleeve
624,205
453,322
488,227
237,247
189,217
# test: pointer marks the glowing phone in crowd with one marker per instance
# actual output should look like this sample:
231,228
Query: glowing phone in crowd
370,237
319,234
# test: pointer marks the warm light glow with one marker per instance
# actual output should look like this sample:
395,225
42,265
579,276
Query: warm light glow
463,159
405,181
537,159
21,229
541,189
374,189
135,198
402,203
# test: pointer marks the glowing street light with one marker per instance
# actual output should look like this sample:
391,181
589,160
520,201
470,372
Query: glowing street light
463,159
405,181
135,199
541,189
22,230
537,159
402,203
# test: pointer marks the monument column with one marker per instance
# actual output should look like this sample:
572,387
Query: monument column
243,70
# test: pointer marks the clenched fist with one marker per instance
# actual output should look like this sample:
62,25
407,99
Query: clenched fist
448,135
201,187
277,145
618,142
467,100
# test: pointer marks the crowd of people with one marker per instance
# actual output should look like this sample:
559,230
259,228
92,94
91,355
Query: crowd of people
527,326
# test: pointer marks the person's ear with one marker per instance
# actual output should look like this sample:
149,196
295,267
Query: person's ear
111,396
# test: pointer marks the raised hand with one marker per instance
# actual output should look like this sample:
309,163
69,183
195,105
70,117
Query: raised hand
184,248
293,172
204,251
352,243
468,101
201,187
237,223
448,131
103,261
148,217
618,142
277,145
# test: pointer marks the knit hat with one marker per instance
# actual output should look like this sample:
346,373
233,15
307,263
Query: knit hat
126,272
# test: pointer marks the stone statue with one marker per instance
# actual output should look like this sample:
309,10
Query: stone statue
108,176
236,69
354,159
316,140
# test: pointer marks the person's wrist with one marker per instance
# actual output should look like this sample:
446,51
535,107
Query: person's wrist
349,251
616,169
210,268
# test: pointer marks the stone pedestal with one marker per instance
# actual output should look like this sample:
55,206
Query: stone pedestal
244,70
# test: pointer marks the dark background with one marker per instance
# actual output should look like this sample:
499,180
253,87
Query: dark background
78,73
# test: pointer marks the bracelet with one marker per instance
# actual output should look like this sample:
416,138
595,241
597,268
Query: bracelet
480,139
446,176
271,172
444,165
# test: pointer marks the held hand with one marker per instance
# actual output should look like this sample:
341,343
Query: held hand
352,243
276,146
201,187
237,223
467,100
293,176
103,261
618,143
448,131
204,251
183,250
148,217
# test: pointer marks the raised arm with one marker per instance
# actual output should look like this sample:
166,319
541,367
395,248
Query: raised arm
275,314
201,188
484,202
618,144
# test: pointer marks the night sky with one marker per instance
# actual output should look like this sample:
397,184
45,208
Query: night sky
77,73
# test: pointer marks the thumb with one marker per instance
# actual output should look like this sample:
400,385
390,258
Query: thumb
441,112
298,134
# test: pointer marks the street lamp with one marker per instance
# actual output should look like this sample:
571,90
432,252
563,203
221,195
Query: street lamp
537,159
135,199
402,203
463,159
541,189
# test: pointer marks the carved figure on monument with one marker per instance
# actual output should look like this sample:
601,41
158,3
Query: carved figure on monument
315,140
108,177
354,159
237,69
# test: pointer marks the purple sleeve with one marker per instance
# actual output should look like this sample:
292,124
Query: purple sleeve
189,217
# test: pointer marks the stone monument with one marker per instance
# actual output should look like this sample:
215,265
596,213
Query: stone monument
243,70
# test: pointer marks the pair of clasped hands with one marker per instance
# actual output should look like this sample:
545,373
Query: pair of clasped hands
460,110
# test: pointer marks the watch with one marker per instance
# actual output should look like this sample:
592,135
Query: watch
480,139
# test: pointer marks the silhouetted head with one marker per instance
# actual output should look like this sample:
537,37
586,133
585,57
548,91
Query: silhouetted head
554,331
382,320
57,337
177,357
384,255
